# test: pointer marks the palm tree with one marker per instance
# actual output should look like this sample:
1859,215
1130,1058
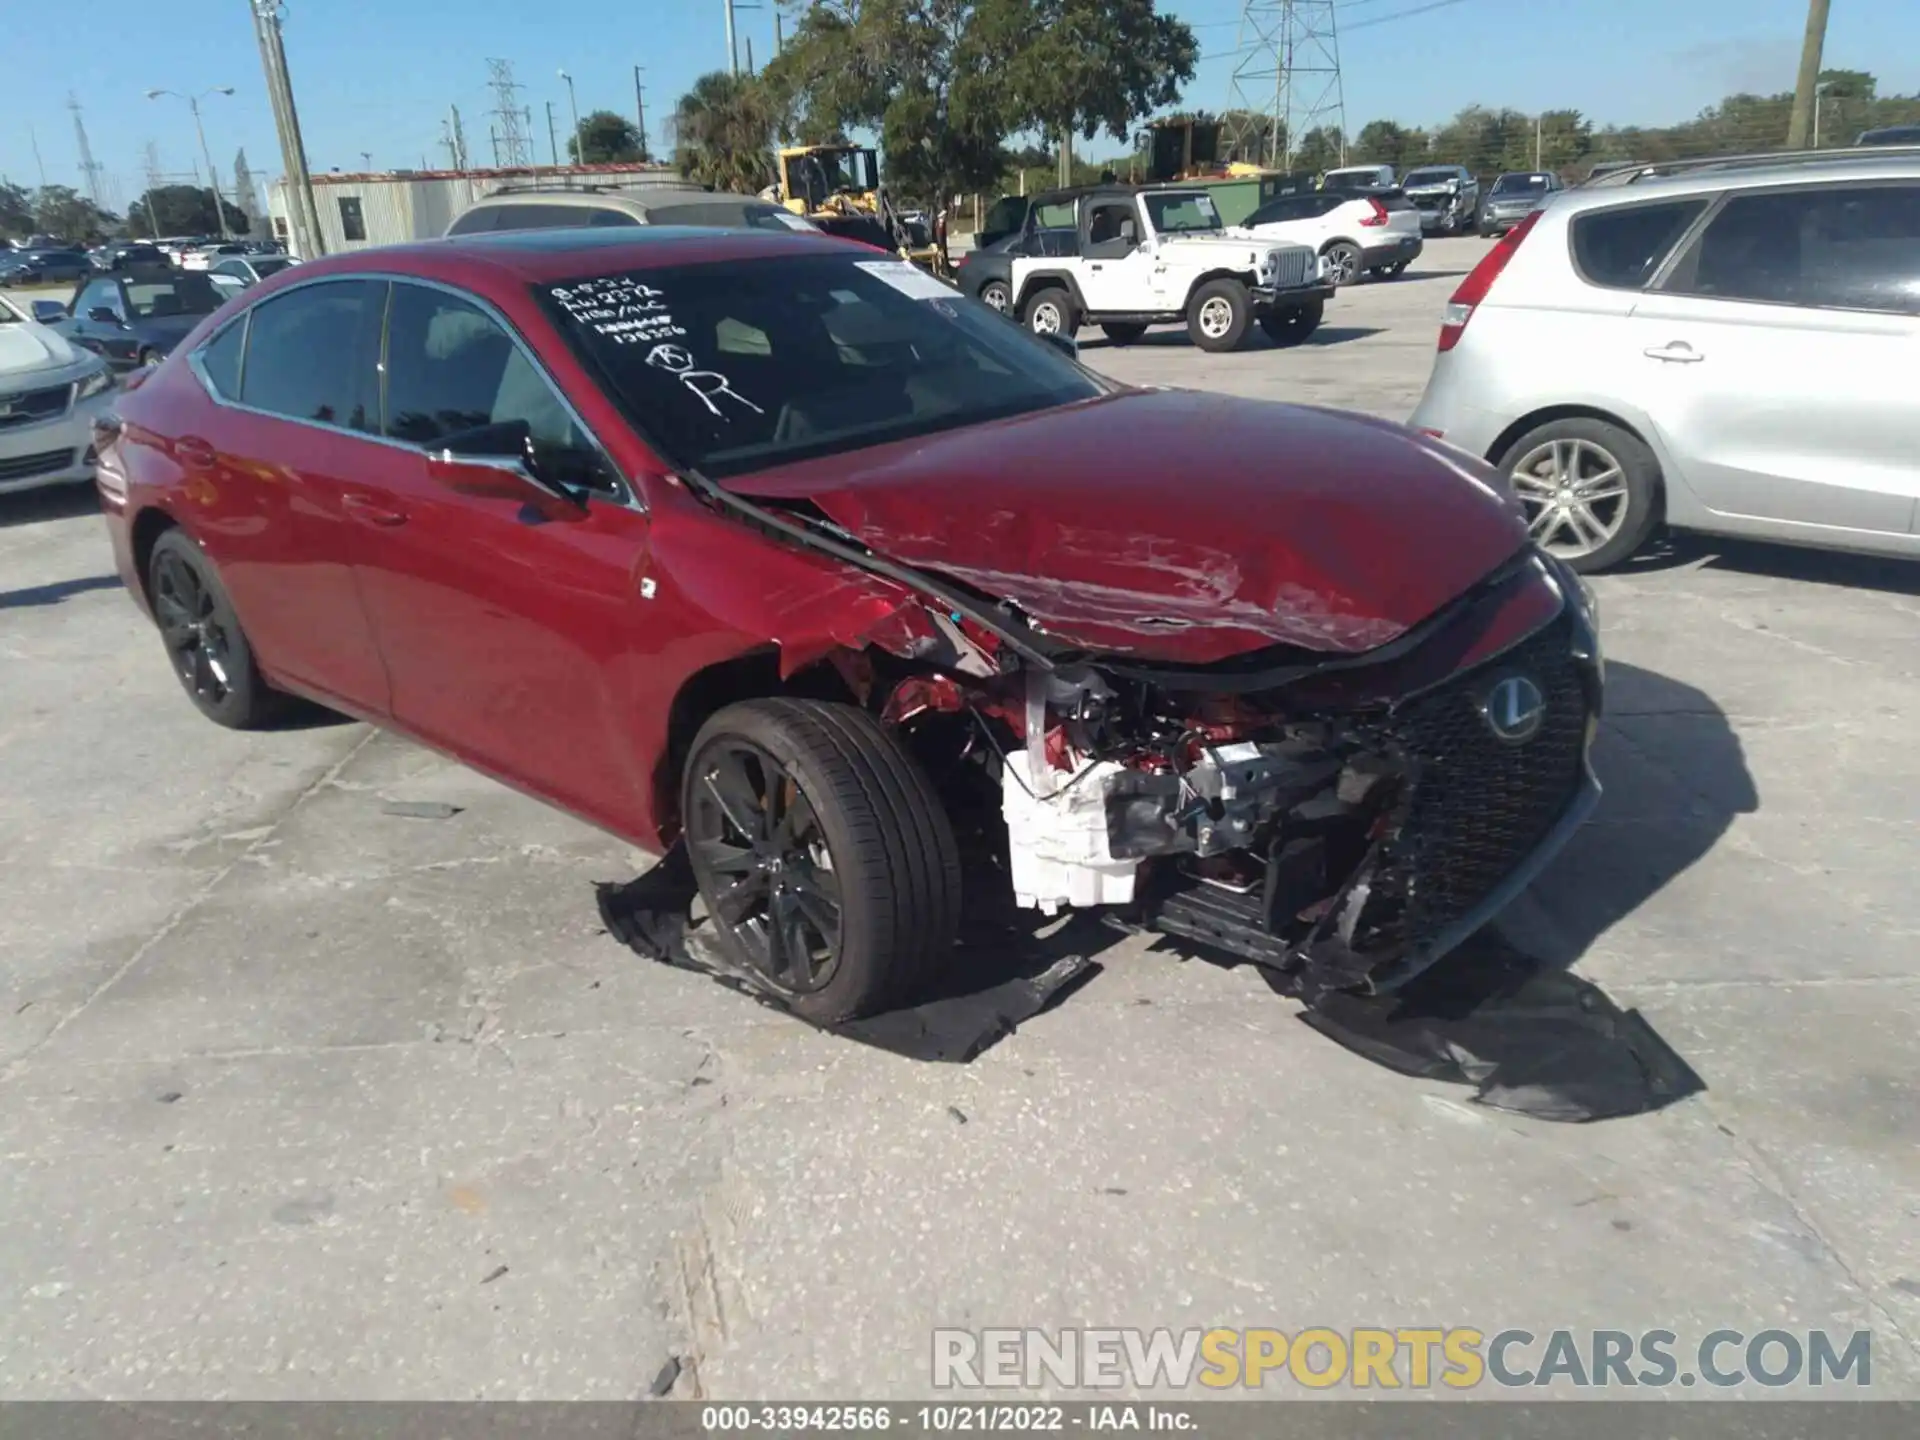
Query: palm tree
723,132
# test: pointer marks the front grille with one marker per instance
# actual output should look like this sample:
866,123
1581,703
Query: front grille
25,467
1480,804
1293,267
28,407
1427,202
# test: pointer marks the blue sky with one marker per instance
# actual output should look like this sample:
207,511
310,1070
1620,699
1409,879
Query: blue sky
377,76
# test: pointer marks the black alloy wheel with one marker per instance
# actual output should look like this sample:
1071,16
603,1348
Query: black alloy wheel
211,656
765,867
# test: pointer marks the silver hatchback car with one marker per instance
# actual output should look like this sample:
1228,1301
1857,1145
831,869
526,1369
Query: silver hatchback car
1729,346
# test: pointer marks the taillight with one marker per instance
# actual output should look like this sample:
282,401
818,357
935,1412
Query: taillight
1379,215
1473,289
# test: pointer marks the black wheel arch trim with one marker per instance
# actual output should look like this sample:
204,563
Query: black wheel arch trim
1048,280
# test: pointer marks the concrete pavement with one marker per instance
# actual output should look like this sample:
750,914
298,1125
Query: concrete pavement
303,1098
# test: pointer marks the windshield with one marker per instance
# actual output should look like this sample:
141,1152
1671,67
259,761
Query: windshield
1519,184
738,366
1431,177
185,294
1172,214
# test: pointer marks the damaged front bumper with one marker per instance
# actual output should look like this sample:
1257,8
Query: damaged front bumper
1355,846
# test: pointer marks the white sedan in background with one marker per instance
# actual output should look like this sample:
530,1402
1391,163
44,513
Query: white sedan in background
1373,233
50,392
207,256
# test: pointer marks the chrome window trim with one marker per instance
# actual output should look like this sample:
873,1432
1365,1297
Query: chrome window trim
625,494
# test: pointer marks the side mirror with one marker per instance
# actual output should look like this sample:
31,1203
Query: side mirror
103,315
49,312
1065,344
497,478
1129,232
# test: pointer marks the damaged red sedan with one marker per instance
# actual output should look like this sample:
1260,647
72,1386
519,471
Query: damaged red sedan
774,550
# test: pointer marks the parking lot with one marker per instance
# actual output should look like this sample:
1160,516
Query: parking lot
319,1077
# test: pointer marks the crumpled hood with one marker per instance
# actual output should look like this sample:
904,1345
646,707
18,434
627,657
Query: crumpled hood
29,349
1179,526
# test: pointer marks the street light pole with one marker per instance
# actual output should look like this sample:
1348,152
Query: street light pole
1818,91
213,176
579,149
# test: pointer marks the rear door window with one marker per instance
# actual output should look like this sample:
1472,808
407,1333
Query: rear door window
220,360
1624,247
1835,247
311,354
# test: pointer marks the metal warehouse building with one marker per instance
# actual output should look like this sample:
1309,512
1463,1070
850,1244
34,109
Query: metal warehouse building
390,208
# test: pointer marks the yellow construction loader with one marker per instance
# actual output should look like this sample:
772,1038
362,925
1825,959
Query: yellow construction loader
838,188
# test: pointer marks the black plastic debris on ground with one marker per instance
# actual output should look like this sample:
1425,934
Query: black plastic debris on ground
1529,1038
1001,976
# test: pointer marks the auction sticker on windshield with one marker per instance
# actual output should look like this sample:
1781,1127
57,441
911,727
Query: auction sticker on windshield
909,280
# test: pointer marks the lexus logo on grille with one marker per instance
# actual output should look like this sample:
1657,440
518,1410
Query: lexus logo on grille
1514,709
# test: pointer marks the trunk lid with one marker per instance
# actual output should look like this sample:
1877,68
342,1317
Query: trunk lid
1178,526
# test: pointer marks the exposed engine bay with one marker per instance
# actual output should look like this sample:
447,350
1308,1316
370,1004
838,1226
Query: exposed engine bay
1340,846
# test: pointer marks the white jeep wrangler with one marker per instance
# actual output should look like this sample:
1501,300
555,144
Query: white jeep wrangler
1160,255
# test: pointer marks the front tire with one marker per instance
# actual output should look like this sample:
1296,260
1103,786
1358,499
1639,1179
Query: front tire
1218,315
1050,311
1120,334
823,854
1591,490
211,656
1290,327
1343,262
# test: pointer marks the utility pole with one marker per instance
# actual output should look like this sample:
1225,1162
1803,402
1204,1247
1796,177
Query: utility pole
459,139
303,215
1538,122
640,108
87,166
1810,51
553,145
366,157
213,176
38,163
1819,93
577,149
733,53
152,159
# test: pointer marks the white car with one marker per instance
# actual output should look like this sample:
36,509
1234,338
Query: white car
1725,346
50,393
1158,256
1376,235
207,256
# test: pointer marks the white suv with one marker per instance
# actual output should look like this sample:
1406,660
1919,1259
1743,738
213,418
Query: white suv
1728,346
1375,234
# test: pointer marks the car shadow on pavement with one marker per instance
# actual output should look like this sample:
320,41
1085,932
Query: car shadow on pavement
57,502
56,592
1501,1014
1676,551
1178,339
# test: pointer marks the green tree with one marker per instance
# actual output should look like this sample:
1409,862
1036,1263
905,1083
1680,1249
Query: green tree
63,211
181,210
724,129
1383,142
1318,150
16,212
1084,66
606,138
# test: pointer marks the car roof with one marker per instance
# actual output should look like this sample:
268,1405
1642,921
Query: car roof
538,256
1711,177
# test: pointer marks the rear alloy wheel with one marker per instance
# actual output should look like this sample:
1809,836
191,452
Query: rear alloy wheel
1121,334
1050,311
996,296
150,359
1343,262
1590,490
1290,327
210,654
1218,315
823,854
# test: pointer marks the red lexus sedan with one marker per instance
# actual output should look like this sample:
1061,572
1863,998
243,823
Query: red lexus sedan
766,547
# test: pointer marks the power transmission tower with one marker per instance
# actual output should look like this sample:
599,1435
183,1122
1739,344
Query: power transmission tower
88,167
512,147
1286,80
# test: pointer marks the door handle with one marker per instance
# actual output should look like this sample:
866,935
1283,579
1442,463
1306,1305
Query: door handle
1676,351
371,512
193,452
